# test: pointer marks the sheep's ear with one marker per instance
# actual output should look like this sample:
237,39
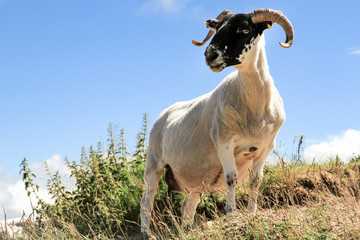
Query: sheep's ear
261,27
211,24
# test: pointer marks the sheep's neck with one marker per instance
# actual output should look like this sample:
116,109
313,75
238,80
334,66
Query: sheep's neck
255,86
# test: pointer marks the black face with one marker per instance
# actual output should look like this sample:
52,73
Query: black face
235,34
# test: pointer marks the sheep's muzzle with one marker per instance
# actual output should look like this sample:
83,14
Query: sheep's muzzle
214,59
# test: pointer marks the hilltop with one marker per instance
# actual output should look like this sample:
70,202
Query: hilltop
297,201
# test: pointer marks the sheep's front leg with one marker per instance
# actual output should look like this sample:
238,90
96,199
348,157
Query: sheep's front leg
227,159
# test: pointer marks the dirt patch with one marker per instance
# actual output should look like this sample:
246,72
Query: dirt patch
332,184
312,186
307,183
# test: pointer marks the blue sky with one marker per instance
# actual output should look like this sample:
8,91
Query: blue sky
69,68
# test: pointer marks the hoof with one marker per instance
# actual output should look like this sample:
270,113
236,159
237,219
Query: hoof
252,208
229,209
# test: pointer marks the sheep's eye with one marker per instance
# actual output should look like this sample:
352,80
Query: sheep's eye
243,31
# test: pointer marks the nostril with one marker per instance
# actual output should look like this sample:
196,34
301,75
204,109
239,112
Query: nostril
213,55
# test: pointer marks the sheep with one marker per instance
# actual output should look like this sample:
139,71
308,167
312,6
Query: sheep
215,142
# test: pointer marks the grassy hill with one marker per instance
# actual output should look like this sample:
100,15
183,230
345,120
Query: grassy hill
297,201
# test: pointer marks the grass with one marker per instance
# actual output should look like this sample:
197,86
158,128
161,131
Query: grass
308,202
326,219
297,201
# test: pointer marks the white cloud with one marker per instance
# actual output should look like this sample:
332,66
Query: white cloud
355,52
12,191
346,146
55,163
14,199
166,6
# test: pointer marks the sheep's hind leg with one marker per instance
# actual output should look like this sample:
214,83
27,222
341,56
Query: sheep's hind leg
188,207
255,178
151,179
254,182
227,159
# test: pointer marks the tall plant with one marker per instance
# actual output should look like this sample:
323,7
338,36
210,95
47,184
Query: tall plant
108,188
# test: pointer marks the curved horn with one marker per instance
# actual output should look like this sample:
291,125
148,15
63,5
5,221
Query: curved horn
264,15
210,33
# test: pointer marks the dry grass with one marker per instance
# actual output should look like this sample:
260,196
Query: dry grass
297,201
334,218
